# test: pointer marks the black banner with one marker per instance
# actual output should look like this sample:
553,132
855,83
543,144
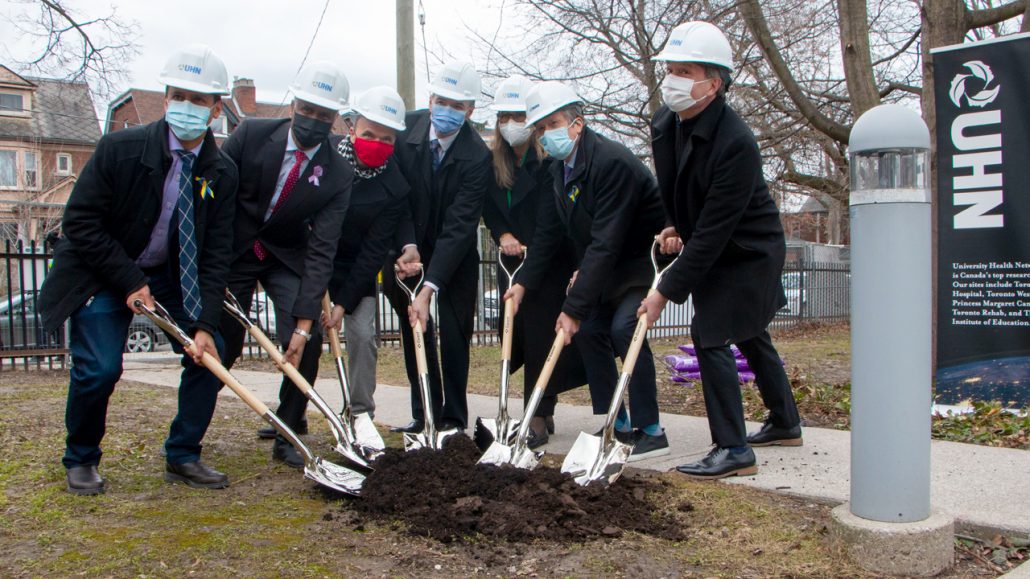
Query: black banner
983,199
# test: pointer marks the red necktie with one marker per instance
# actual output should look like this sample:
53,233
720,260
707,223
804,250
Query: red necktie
291,180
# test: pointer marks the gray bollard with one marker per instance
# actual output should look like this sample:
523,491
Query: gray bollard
888,526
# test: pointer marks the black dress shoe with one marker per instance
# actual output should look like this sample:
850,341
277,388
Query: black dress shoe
268,433
447,424
721,463
412,427
538,433
285,452
196,474
628,437
770,435
85,480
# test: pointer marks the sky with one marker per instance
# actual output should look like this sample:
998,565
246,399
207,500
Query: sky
266,40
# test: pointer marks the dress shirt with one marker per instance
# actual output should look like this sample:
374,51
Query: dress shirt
289,158
156,251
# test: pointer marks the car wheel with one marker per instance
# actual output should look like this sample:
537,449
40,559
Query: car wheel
140,340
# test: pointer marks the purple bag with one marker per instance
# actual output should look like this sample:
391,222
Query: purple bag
746,376
681,363
688,349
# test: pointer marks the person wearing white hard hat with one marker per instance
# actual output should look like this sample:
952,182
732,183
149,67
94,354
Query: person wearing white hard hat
519,199
379,200
607,203
447,165
150,218
293,196
728,227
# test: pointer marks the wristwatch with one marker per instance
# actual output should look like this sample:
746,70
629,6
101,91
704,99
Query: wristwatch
300,332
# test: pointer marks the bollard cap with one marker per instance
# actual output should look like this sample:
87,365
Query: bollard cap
889,127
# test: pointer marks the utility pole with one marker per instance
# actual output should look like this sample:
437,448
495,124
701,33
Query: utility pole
406,52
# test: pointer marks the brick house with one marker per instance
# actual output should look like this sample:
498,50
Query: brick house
139,107
48,130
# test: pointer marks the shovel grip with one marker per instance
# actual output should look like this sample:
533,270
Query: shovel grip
508,329
278,358
334,334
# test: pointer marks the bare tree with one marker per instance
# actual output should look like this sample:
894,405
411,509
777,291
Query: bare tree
94,49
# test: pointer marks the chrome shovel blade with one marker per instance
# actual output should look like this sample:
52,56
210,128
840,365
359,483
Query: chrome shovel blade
335,477
435,441
491,430
499,454
588,461
367,436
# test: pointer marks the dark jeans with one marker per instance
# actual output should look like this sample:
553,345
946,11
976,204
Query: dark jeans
281,286
721,386
606,334
97,339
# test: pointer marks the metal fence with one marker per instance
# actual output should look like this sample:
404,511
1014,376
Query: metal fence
816,292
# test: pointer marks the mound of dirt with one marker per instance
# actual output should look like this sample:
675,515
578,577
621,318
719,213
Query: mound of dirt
447,496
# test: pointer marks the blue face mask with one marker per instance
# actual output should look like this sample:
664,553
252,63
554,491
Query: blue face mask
557,143
187,120
447,120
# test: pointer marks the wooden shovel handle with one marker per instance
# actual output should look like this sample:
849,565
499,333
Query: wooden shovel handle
506,333
552,359
633,352
277,357
334,334
420,348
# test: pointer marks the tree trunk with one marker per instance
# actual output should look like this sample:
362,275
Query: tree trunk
853,19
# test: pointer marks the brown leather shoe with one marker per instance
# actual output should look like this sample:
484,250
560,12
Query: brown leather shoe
85,480
196,474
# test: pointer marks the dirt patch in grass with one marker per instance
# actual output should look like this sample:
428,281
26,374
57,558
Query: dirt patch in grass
273,522
446,495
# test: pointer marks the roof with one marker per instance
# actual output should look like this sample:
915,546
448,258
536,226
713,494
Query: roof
62,111
813,205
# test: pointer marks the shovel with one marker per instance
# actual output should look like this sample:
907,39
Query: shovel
518,453
344,444
325,473
602,458
358,429
502,428
429,437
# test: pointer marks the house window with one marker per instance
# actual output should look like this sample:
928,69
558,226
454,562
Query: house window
9,169
31,170
11,102
64,164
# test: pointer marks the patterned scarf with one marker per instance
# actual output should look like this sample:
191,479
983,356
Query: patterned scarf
346,148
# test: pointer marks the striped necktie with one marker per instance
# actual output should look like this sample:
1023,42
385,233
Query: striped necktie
437,150
187,238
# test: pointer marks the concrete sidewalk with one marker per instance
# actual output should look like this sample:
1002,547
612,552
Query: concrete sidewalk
986,490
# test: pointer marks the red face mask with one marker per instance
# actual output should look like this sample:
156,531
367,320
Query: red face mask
372,153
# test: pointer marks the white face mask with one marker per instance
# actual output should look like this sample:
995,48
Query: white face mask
516,133
676,92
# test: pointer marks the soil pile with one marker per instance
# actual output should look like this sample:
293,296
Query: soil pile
446,495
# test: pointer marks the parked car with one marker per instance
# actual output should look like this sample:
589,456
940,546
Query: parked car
22,328
794,288
491,309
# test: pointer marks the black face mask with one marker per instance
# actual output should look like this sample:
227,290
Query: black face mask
309,132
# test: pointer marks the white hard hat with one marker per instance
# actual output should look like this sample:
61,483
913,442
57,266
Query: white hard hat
457,80
700,42
547,97
511,94
322,83
381,104
195,68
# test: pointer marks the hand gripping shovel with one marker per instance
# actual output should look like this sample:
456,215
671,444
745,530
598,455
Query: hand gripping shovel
518,453
358,429
325,473
503,428
344,444
602,458
429,437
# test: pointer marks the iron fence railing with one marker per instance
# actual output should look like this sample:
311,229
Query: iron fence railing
816,292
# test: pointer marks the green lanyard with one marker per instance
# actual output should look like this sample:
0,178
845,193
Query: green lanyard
521,163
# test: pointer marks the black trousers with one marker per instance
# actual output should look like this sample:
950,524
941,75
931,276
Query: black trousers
281,286
606,334
721,386
448,369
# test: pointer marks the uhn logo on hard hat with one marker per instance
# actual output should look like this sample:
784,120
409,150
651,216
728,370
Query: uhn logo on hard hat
390,109
676,42
453,81
985,96
322,85
511,95
189,68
